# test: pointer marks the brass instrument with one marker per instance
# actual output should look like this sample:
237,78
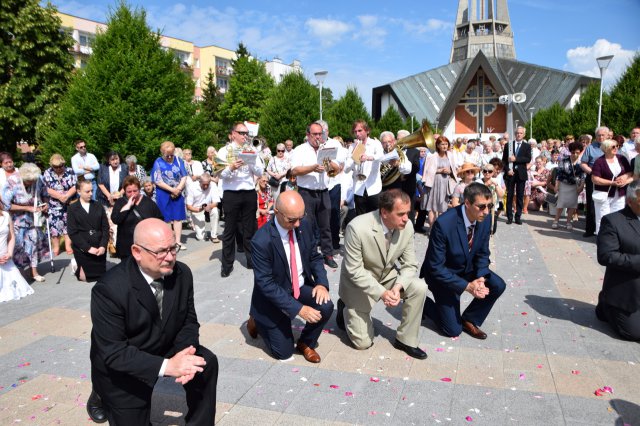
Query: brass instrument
328,168
220,164
421,137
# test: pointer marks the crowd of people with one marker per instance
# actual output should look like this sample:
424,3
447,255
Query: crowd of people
288,213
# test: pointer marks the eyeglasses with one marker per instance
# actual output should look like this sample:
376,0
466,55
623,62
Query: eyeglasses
487,171
292,219
470,172
483,206
81,147
280,150
316,134
242,133
59,166
162,253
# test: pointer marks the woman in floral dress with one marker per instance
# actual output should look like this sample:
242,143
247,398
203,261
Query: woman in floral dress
24,195
265,200
60,184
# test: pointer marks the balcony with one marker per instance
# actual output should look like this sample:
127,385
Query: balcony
224,71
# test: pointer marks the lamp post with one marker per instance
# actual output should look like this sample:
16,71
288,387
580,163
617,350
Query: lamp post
411,114
603,63
436,123
320,76
531,122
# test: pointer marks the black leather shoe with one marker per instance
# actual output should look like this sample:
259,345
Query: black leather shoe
413,352
240,249
340,315
328,260
518,222
472,330
95,409
226,272
252,328
509,221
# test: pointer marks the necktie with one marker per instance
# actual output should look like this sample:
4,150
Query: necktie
517,147
387,238
470,236
294,267
157,286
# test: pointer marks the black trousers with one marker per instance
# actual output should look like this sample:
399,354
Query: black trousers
201,399
334,222
514,185
279,339
590,207
366,203
240,207
318,208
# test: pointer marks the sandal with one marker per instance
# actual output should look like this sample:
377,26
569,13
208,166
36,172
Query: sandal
39,278
554,225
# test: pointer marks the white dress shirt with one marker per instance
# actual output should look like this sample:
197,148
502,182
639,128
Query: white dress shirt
243,177
369,169
284,237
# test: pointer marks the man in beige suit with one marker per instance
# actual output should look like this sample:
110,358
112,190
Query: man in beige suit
380,264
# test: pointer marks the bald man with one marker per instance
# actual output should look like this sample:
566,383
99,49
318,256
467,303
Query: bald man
289,281
145,327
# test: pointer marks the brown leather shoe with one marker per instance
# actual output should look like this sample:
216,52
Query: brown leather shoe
473,331
252,328
309,354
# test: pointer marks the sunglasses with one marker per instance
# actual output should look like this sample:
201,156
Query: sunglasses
242,133
61,166
292,219
280,150
484,206
487,171
81,147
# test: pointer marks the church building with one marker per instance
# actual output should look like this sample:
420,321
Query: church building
461,98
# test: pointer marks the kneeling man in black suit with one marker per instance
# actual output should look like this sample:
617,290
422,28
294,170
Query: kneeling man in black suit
145,327
619,251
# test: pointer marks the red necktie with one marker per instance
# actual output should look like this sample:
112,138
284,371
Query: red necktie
294,267
470,236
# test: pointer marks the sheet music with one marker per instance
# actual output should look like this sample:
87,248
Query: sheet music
327,154
249,158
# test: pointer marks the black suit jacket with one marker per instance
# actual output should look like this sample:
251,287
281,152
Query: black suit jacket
449,264
103,179
87,230
129,341
128,220
409,181
619,251
522,160
272,299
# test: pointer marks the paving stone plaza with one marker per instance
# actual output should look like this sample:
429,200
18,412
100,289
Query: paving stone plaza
546,357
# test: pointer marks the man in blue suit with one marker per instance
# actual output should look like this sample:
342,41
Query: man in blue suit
289,281
457,260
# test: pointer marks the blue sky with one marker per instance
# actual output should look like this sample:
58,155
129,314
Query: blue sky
370,43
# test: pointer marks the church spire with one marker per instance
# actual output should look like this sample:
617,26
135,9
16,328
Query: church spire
482,25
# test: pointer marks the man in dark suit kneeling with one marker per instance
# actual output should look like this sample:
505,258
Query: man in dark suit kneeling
289,281
145,327
619,251
457,260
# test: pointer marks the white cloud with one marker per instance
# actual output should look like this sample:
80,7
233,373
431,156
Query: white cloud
582,60
371,32
430,27
329,31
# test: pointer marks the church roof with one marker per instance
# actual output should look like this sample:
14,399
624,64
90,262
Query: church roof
429,94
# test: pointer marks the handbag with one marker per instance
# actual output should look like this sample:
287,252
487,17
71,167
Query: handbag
451,185
550,198
273,181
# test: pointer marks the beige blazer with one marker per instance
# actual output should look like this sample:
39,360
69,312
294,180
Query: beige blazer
367,269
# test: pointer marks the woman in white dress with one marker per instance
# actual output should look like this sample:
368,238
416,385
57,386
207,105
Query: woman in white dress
12,285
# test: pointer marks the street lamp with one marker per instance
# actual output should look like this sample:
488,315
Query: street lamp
320,76
411,114
436,123
531,122
603,63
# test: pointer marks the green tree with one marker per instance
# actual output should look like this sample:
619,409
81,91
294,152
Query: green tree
131,96
35,68
622,112
345,111
249,88
210,108
293,104
553,122
584,115
390,121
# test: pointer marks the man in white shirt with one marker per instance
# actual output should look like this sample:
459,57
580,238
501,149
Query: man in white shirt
402,165
288,146
312,183
629,146
203,197
367,184
86,165
240,200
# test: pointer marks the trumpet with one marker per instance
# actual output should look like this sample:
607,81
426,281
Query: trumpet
328,168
